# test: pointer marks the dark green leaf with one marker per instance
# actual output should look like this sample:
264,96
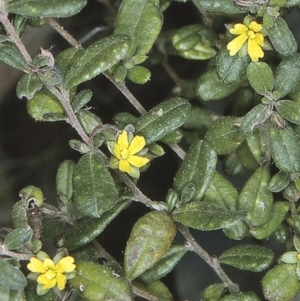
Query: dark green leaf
96,59
261,77
149,240
162,119
28,85
285,149
248,296
213,292
256,141
289,109
157,290
10,55
281,37
11,277
139,74
45,8
281,283
248,257
94,189
142,21
220,6
278,214
18,238
206,216
256,199
64,179
287,74
279,181
231,69
165,265
81,99
198,167
88,228
98,282
12,295
51,230
88,120
223,136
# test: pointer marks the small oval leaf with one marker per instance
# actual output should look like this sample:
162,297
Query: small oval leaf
28,85
18,238
289,109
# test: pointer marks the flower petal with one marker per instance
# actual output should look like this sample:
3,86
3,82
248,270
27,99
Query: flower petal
254,50
65,265
255,27
124,166
47,283
137,144
259,39
239,29
123,140
137,161
61,281
36,266
236,44
49,264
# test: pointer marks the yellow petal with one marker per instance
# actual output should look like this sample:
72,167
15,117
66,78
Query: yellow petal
49,264
61,281
50,274
238,29
123,140
36,266
236,44
136,145
259,39
137,161
124,166
47,283
117,151
255,27
65,265
254,50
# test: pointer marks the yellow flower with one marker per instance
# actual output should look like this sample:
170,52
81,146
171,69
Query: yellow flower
51,274
250,34
126,152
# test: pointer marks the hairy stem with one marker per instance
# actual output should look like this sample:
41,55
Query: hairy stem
212,261
19,256
141,293
15,38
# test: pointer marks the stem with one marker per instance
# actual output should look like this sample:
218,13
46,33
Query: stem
124,90
171,72
69,38
101,252
141,293
15,38
206,18
19,256
212,261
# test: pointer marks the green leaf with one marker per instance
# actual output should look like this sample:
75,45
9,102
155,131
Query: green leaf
149,241
281,38
206,216
18,238
257,116
88,120
256,199
210,87
11,277
157,290
98,282
198,167
287,74
223,136
139,74
248,296
248,257
229,68
45,8
81,99
213,292
278,214
281,283
96,59
237,231
221,192
31,293
279,181
51,230
64,179
165,265
261,77
28,85
88,228
162,119
11,295
285,149
220,6
10,55
289,109
42,103
142,21
94,189
256,141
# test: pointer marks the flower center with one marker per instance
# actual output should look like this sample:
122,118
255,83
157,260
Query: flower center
251,34
50,274
124,153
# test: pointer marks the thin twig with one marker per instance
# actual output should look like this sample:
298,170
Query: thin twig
14,36
19,256
212,261
171,72
206,18
101,252
141,293
69,38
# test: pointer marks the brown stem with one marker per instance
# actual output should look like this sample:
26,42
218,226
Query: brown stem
212,261
171,72
19,256
63,32
14,36
101,252
141,293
